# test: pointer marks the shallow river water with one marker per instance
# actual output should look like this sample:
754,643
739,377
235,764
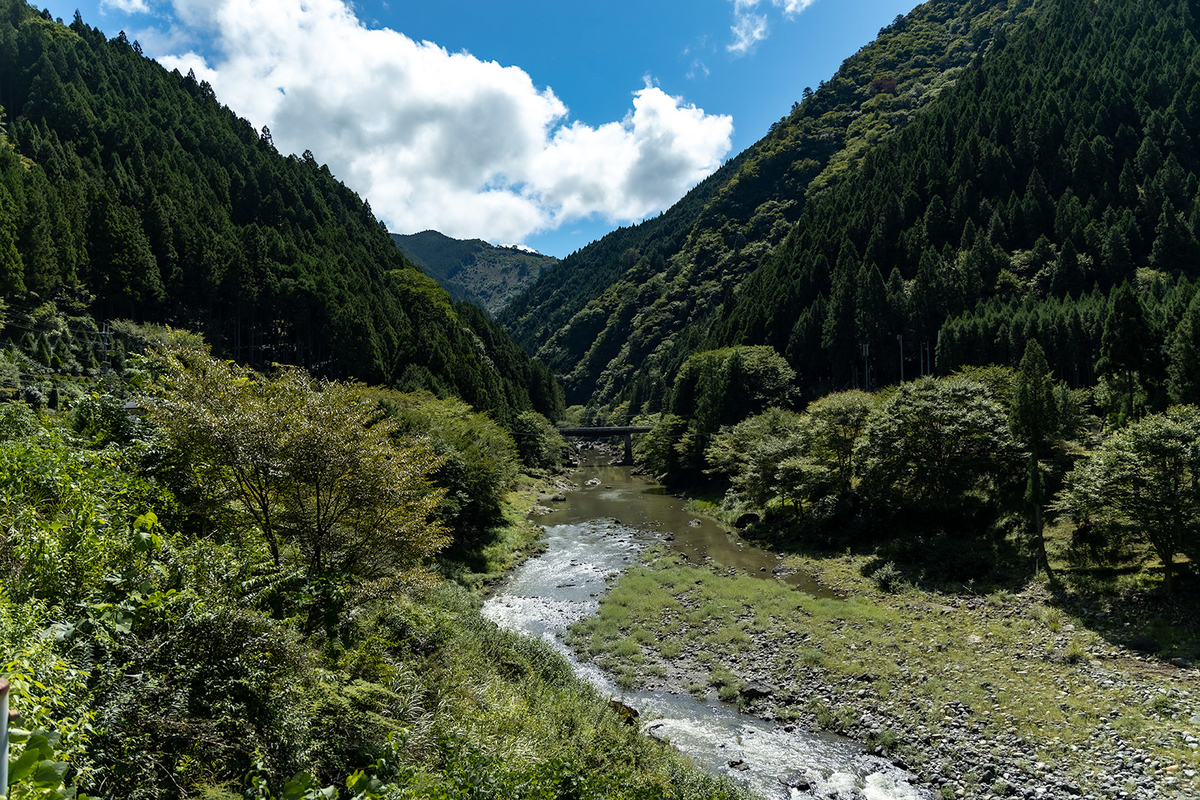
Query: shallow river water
601,529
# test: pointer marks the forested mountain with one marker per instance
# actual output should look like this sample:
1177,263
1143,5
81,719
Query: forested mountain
472,270
127,191
617,318
1055,161
1060,166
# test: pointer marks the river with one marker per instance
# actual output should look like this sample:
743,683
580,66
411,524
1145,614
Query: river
600,530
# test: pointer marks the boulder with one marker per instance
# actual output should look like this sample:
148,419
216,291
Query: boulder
756,690
797,781
1144,644
746,520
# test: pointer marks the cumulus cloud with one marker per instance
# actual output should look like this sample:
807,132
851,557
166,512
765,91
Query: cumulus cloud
749,28
438,139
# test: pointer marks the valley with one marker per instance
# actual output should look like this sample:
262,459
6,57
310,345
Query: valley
286,508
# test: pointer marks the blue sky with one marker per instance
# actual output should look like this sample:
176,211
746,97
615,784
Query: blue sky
533,122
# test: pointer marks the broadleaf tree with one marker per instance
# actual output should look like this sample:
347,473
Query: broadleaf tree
1144,483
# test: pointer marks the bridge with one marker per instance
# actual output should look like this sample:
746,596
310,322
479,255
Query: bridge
604,433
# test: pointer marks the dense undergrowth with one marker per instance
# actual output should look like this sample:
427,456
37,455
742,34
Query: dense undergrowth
186,612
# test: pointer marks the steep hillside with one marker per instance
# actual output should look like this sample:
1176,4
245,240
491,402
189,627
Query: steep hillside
127,191
472,270
618,317
1063,161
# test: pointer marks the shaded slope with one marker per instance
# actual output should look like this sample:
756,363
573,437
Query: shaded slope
132,192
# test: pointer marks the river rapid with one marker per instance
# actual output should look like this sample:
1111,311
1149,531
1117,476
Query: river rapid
600,530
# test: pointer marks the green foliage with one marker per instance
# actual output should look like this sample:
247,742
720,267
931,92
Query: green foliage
309,463
722,387
838,422
478,460
659,450
751,452
1143,483
540,443
36,772
1034,417
934,442
72,514
1127,348
1036,420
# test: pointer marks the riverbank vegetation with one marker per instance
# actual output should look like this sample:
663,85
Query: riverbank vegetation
954,480
233,587
1015,569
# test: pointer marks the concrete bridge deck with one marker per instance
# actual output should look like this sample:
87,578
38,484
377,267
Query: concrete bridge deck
596,433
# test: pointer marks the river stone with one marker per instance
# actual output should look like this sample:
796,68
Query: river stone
756,690
797,781
739,765
627,714
1144,644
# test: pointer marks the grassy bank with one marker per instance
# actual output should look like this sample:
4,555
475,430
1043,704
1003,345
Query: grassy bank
982,695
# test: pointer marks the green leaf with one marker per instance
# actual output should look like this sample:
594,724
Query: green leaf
24,766
298,787
50,774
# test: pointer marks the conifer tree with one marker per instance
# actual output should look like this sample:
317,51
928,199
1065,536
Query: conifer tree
1184,363
1035,420
1126,344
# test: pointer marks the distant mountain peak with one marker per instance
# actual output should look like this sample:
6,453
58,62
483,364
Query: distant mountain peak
524,248
488,275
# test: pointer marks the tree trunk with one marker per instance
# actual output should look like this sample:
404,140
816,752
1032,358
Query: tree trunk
1040,540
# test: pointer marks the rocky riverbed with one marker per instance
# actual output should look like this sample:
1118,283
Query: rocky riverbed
981,697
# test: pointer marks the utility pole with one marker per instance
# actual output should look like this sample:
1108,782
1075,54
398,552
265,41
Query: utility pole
866,368
4,686
900,339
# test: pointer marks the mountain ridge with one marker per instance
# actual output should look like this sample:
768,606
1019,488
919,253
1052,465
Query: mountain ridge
473,270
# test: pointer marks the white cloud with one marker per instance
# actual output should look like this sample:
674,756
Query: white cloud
792,7
750,28
128,6
437,139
